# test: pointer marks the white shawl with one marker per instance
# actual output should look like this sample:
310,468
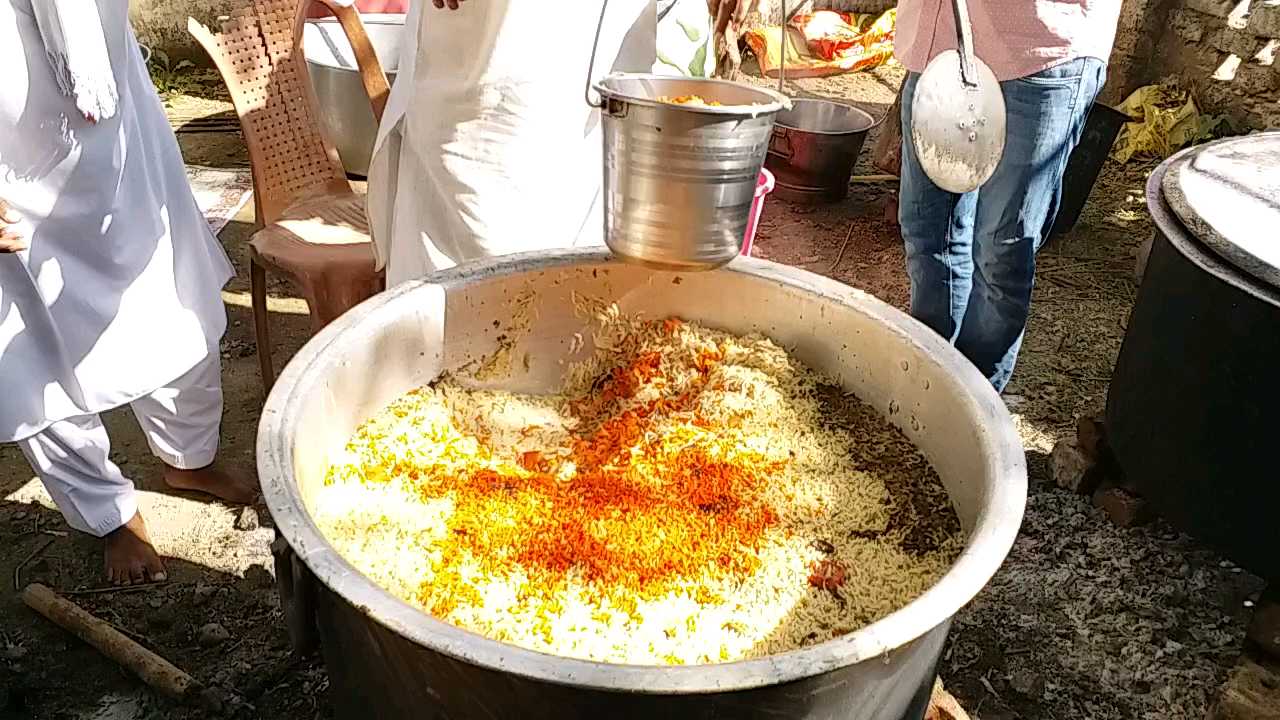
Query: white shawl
77,49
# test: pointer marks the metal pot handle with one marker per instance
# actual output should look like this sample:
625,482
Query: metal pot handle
964,44
591,66
775,147
297,597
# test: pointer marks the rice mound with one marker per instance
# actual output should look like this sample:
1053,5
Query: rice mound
688,497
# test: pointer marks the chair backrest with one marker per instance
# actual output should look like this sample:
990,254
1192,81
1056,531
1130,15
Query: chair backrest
258,52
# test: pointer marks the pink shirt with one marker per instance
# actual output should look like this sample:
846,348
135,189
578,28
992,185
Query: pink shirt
1016,38
365,6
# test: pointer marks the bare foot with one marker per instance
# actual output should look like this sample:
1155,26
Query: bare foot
130,557
213,481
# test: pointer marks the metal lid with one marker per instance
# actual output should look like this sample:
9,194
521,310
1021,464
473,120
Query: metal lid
1227,193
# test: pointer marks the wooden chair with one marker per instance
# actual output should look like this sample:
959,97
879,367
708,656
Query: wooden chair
312,227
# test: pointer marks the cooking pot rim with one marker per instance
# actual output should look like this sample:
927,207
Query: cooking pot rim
988,543
320,65
776,100
871,121
366,18
1170,226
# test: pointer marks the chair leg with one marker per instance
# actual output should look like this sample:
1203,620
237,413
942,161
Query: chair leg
258,290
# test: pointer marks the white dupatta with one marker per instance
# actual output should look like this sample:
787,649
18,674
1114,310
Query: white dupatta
77,49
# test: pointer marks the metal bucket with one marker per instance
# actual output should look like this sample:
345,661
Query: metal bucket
345,115
814,148
679,180
388,660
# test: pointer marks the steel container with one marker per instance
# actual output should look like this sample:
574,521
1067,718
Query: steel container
679,179
345,115
388,660
814,147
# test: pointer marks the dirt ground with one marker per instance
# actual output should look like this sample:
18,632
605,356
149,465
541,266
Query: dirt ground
1083,621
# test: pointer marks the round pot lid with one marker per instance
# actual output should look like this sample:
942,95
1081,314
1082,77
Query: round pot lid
1227,193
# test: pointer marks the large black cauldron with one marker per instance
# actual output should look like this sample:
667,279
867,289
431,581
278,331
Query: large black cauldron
1193,413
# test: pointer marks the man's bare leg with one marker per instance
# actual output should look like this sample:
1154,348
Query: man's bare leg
130,557
213,480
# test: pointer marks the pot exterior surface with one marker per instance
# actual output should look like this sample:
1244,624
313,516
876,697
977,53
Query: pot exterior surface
345,116
814,148
1191,406
372,667
389,657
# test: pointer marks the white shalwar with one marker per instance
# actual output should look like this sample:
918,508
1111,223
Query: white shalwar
117,300
487,145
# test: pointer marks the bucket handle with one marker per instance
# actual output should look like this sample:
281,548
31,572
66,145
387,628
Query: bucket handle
591,66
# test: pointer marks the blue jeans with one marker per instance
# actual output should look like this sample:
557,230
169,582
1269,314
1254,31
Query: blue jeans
972,257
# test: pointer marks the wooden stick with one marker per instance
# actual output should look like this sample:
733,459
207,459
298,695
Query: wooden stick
843,246
151,668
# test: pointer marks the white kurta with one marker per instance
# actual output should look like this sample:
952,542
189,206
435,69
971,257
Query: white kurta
488,146
119,292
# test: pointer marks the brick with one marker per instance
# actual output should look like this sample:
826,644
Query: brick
1122,507
1264,20
1254,79
1091,434
1260,114
943,705
1072,468
1188,24
1216,8
1236,42
1264,629
1252,692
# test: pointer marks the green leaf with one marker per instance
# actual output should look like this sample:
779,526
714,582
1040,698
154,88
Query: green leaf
692,32
697,66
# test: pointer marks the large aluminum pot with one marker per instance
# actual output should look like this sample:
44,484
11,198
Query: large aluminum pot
388,660
678,179
345,115
814,147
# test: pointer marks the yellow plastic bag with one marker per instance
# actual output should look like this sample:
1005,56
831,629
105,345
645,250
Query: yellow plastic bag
1165,119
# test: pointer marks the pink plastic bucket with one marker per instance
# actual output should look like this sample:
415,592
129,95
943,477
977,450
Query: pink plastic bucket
764,186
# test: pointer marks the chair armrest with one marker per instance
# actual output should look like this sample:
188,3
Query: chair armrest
371,73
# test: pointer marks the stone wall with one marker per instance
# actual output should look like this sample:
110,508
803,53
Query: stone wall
1141,22
1223,50
1226,49
162,25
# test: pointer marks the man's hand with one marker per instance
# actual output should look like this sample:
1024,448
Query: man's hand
451,4
10,240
